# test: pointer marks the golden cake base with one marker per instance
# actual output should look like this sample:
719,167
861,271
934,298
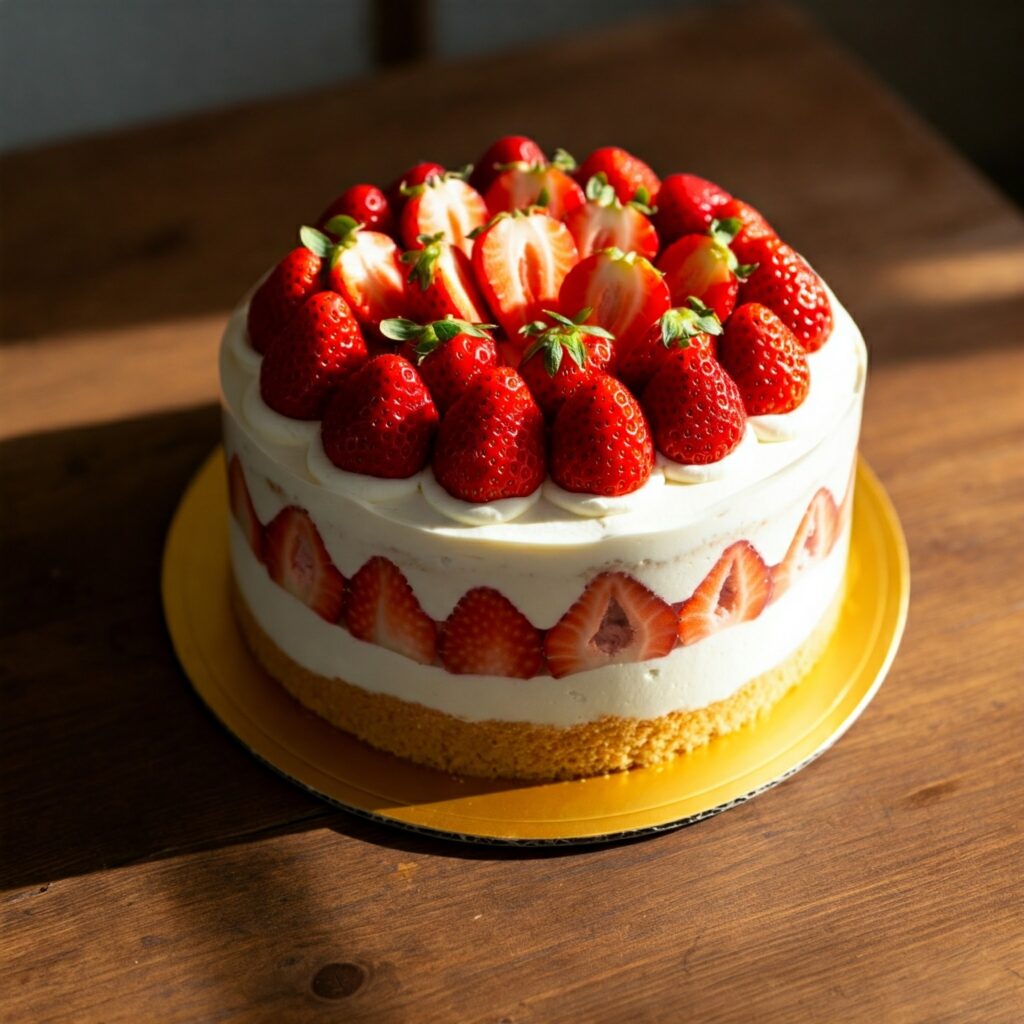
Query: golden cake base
714,776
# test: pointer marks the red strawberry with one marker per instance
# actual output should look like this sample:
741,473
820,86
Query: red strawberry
600,442
546,185
491,442
628,175
440,283
242,508
753,231
520,261
510,149
363,266
689,326
381,420
550,376
765,359
444,206
290,283
615,620
449,353
736,590
813,540
694,408
624,292
415,175
486,635
603,222
320,347
382,609
687,205
363,203
298,561
785,284
705,267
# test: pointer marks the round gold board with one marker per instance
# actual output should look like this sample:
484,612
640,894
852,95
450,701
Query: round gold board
346,772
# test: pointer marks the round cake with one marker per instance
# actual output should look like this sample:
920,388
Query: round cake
540,470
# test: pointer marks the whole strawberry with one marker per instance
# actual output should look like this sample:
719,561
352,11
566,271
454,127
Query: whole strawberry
561,353
290,283
491,442
785,284
381,420
449,353
694,408
687,205
753,231
600,441
440,282
319,348
366,204
508,150
764,358
627,174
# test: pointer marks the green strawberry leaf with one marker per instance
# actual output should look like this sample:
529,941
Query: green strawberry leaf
564,161
399,329
316,241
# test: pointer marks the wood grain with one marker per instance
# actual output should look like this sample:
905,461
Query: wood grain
153,870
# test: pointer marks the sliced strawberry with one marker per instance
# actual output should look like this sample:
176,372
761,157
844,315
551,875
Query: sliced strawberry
415,175
753,232
520,261
603,222
813,540
510,149
546,185
616,620
366,204
628,175
687,205
486,635
298,561
736,590
440,283
297,277
444,206
623,291
382,609
242,508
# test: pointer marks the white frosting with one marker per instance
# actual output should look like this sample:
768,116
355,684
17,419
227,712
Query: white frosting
357,486
598,505
271,425
737,463
489,513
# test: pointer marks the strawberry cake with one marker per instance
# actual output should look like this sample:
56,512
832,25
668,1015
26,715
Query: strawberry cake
540,470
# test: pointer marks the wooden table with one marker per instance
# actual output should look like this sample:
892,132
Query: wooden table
154,871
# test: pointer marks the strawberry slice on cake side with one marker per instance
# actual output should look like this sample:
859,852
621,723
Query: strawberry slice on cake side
297,560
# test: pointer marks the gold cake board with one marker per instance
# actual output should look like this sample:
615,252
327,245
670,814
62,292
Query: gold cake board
346,772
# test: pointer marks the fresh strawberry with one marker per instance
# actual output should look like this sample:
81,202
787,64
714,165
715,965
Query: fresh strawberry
624,292
486,635
382,610
603,222
753,231
363,266
600,441
242,508
765,359
615,620
491,442
628,175
440,283
548,185
560,355
508,150
785,284
444,206
366,204
694,408
298,561
705,267
415,175
319,348
687,205
381,420
736,590
813,540
689,326
449,353
290,283
520,261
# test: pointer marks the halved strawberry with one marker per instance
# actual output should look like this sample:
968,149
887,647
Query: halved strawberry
736,590
627,174
487,635
813,540
441,283
520,261
522,187
298,276
442,206
753,232
510,149
366,204
382,609
242,508
603,222
615,620
415,175
623,291
687,205
298,561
